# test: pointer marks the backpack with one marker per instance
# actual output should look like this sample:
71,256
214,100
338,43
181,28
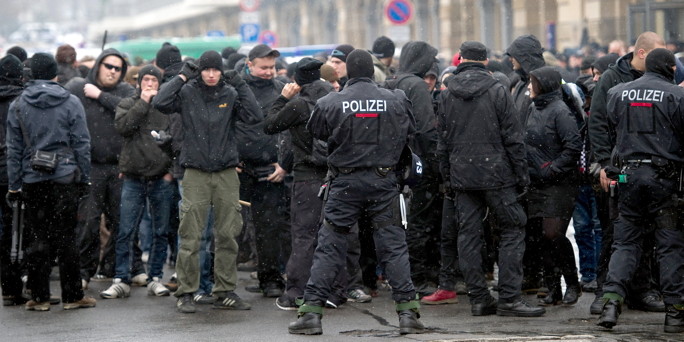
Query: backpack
319,148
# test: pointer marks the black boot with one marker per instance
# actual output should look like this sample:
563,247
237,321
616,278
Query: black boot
572,294
649,301
309,319
409,323
554,297
674,320
612,308
597,305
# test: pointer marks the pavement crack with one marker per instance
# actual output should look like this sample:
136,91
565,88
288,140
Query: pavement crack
380,319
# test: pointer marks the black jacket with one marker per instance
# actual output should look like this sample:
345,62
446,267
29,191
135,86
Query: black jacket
208,116
8,92
364,125
647,117
293,115
255,147
106,141
54,121
481,140
527,51
551,135
602,141
416,60
143,155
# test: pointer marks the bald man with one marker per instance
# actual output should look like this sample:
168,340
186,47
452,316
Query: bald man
627,68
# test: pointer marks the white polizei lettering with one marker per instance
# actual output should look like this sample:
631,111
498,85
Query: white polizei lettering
643,95
364,106
658,95
624,94
649,95
632,95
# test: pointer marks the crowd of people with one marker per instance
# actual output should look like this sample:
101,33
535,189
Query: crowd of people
344,170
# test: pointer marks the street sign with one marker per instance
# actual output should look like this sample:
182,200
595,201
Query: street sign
216,33
399,12
249,17
269,38
250,32
249,5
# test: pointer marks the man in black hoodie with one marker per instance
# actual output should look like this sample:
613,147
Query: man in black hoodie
643,293
10,276
100,93
526,55
426,204
261,179
484,164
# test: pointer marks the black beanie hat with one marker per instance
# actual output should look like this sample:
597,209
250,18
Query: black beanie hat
473,50
342,52
210,59
43,66
226,52
383,47
11,68
661,61
149,70
233,59
307,70
360,64
19,52
168,55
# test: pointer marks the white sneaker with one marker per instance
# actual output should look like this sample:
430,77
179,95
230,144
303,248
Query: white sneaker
156,288
117,290
139,280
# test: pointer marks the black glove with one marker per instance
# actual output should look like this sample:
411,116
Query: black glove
12,196
83,190
233,78
190,70
612,172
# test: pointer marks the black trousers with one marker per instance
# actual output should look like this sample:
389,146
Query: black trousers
105,198
471,207
424,233
646,197
361,193
449,271
271,226
50,222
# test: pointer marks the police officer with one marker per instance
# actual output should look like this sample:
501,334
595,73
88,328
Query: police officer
647,116
483,156
366,129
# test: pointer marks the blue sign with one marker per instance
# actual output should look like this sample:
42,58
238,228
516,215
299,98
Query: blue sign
216,33
399,12
250,32
269,38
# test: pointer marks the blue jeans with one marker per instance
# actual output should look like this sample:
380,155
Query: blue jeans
588,232
145,230
134,193
206,250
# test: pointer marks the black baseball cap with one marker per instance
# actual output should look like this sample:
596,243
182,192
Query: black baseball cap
261,51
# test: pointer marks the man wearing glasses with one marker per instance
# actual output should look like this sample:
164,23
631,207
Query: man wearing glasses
100,93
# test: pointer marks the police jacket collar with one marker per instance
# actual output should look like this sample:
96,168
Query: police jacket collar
359,79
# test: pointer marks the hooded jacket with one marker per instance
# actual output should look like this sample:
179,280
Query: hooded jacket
208,117
416,60
528,52
54,121
142,155
480,138
602,141
293,114
106,141
257,148
551,135
8,92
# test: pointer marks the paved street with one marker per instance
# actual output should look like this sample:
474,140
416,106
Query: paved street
144,318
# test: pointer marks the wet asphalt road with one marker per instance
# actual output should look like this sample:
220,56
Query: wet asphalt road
145,318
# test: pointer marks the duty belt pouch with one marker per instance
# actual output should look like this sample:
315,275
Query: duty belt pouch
663,167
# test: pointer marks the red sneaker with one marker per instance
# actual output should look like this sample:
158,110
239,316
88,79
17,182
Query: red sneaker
440,297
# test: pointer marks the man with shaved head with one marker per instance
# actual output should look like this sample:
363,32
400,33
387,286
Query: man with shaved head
628,68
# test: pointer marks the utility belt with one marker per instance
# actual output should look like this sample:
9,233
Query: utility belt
381,171
664,168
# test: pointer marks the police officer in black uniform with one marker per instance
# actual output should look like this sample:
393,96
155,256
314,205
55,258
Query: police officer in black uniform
647,116
366,129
